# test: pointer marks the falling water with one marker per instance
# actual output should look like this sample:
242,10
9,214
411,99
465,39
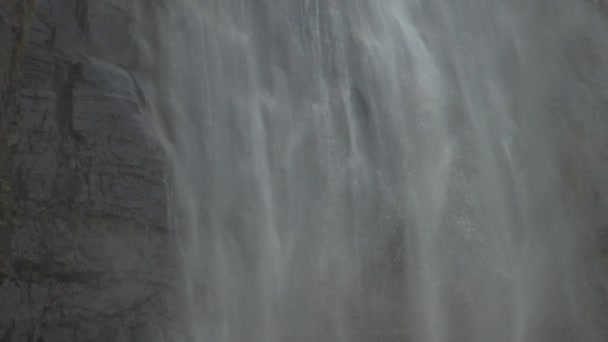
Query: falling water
390,170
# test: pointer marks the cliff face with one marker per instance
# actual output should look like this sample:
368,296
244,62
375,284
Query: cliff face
14,19
83,245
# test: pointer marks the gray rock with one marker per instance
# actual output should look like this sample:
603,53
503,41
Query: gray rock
86,254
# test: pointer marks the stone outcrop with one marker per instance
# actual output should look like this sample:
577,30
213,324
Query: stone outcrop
84,251
14,20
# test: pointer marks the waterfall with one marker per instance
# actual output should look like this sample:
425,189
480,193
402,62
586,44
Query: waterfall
390,170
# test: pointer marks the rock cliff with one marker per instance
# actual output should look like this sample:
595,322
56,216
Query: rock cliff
83,241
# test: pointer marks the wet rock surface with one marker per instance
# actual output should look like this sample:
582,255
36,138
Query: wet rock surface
85,253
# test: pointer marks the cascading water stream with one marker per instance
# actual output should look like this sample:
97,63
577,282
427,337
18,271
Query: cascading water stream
395,170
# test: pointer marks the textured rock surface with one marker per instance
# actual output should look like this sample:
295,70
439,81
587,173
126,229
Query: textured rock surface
84,256
14,18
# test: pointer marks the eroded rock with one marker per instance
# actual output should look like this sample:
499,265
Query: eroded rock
86,257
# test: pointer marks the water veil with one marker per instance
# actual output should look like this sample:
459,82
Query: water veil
390,170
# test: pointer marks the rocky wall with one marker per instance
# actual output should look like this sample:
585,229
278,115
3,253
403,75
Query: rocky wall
84,249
